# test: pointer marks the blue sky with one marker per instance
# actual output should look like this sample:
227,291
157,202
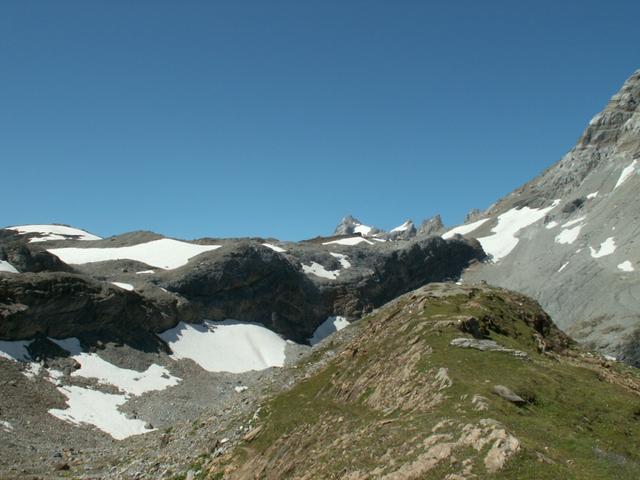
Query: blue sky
277,118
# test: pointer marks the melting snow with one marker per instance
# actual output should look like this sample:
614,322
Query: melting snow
98,409
342,259
569,235
606,248
7,267
54,232
592,195
349,241
464,229
228,346
326,328
504,239
626,266
319,271
124,286
626,173
275,248
164,253
551,225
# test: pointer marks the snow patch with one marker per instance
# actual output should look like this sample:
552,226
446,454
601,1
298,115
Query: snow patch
275,248
100,410
569,235
145,272
402,228
362,229
573,222
464,229
164,253
7,267
551,225
319,271
349,241
563,267
626,266
6,426
124,286
326,328
592,195
606,248
240,388
626,173
228,346
342,259
504,239
54,232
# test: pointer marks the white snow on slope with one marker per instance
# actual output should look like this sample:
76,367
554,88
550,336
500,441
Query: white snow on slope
504,239
349,241
326,328
573,222
100,410
606,248
54,232
275,248
592,195
342,259
464,229
15,350
129,381
228,346
164,253
563,267
626,173
124,286
569,235
551,225
319,271
402,228
7,267
626,266
362,229
145,272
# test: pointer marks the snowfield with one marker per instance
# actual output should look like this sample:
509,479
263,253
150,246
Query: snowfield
569,235
464,229
504,239
326,328
626,173
319,271
164,253
343,259
100,410
227,346
349,241
606,248
15,350
7,267
54,232
402,228
626,266
275,248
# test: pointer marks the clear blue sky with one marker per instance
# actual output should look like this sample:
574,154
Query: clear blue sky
276,118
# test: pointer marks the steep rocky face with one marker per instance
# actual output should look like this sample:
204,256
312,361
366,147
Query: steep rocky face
291,289
569,237
445,382
431,226
350,226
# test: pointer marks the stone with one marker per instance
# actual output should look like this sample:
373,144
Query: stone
508,395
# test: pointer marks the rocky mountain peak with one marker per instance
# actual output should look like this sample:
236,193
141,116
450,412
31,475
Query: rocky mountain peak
431,226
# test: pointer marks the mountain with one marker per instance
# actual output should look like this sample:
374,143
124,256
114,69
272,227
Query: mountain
569,237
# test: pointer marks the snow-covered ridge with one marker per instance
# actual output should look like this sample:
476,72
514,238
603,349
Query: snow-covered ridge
54,232
164,253
402,228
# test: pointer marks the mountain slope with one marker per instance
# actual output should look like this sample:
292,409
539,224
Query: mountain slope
404,399
569,237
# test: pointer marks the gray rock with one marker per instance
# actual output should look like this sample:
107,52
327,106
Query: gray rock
431,226
508,395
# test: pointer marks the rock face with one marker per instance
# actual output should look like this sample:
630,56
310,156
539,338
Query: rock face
431,226
569,236
291,289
